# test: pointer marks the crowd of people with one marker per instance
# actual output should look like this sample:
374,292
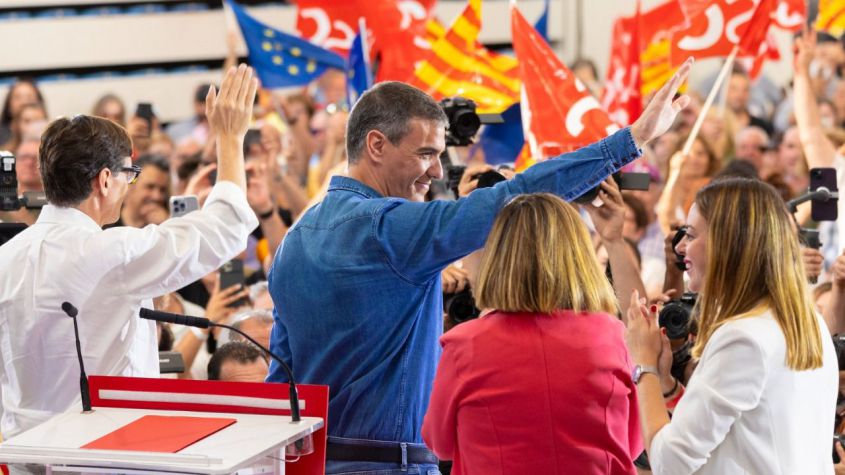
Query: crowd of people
350,244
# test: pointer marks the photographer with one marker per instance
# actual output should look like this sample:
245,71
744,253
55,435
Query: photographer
107,274
762,396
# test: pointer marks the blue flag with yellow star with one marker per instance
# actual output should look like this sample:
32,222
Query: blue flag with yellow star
280,59
359,76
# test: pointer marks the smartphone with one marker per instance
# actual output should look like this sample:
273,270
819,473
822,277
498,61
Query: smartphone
145,111
633,181
182,205
252,139
232,273
170,362
824,178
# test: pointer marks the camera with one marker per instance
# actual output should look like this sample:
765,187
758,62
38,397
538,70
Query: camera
8,183
464,122
454,173
9,200
460,307
676,315
679,258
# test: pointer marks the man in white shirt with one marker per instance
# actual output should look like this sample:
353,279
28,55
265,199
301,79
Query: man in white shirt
108,275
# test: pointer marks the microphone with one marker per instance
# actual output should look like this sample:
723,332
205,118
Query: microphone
72,312
200,322
822,194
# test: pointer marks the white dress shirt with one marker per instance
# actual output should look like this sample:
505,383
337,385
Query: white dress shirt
108,275
746,412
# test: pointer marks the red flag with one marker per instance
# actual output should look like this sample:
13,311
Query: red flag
397,27
622,98
714,32
790,15
693,8
558,113
754,33
768,52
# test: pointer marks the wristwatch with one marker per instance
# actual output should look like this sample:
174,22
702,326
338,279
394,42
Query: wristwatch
640,370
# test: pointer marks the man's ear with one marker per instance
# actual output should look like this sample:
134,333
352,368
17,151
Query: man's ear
375,142
101,184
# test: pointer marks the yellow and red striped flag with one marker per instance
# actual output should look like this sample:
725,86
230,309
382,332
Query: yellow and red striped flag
831,17
458,65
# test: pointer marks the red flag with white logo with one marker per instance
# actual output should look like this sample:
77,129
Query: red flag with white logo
622,98
397,29
558,112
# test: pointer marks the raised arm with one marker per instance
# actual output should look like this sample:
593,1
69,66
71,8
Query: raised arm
445,231
608,221
818,149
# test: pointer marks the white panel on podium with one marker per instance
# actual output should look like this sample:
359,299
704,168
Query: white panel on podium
252,440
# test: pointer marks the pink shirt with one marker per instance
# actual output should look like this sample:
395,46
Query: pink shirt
535,393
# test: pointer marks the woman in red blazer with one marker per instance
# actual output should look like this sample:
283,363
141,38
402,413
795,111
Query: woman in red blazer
542,384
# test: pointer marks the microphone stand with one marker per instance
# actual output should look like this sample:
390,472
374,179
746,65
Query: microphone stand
84,391
206,323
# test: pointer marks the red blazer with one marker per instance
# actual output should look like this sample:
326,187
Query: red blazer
535,394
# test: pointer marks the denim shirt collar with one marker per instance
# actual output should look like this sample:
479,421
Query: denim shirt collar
350,184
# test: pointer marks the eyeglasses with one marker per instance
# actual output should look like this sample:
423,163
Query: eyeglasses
132,173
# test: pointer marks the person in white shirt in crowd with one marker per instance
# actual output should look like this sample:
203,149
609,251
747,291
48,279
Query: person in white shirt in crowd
107,274
762,398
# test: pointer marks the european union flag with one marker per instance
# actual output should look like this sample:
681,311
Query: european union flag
280,59
359,76
503,142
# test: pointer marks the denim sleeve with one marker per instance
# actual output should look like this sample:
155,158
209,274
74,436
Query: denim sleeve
419,239
279,345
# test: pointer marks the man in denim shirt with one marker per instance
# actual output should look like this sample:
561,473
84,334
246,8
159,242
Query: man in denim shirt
356,283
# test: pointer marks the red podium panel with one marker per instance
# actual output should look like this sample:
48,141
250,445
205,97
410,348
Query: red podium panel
219,396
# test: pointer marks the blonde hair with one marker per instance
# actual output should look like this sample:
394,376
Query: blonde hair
539,258
754,262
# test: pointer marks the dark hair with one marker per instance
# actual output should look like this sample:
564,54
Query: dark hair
637,206
236,351
201,92
388,107
6,116
154,160
73,151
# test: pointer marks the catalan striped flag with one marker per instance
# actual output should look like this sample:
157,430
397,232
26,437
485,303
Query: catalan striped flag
831,17
459,66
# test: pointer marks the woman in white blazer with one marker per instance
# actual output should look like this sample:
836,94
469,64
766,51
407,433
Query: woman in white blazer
763,396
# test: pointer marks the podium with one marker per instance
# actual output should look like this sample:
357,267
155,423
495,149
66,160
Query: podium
255,443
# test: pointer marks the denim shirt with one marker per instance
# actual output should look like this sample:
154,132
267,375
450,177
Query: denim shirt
356,287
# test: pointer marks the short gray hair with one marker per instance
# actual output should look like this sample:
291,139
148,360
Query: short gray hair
388,107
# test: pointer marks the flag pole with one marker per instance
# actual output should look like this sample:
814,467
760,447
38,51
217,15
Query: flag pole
709,102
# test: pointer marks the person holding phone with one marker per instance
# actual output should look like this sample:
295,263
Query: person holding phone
762,398
109,274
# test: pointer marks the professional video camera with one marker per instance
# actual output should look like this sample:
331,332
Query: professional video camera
464,122
9,199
